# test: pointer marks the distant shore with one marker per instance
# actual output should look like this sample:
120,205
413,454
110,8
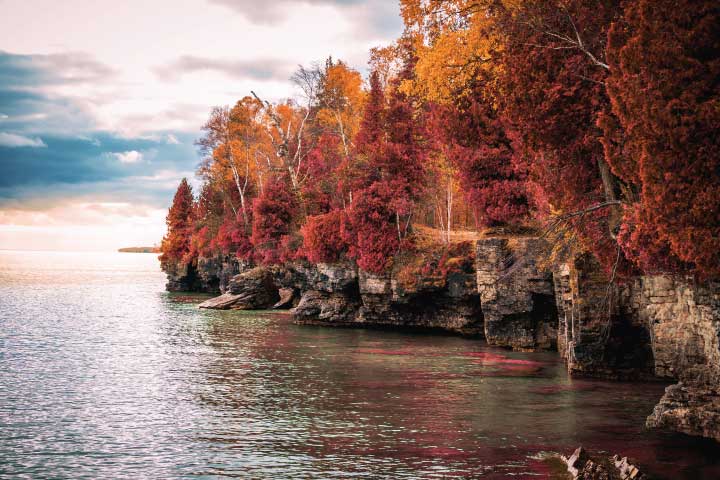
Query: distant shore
139,250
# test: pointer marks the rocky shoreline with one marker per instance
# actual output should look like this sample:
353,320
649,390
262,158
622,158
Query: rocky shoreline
652,327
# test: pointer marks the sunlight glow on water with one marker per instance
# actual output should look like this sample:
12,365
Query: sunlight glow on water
105,375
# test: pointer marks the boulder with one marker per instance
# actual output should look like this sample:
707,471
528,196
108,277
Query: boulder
582,466
254,289
287,297
225,301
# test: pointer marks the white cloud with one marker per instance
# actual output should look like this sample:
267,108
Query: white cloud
12,140
172,140
133,156
3,116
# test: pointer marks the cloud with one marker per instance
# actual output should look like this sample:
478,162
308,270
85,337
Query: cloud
58,68
91,165
172,140
260,69
376,20
133,156
272,12
13,141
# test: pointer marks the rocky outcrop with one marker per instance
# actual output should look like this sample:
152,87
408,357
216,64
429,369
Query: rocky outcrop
654,326
598,333
328,293
254,289
339,295
582,466
209,274
430,302
517,296
287,299
684,320
180,277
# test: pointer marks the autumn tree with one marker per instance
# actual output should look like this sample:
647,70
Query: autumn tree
553,92
373,238
325,238
662,137
227,143
478,146
340,102
391,177
274,221
176,243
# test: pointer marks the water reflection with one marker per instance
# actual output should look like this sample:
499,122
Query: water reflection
105,375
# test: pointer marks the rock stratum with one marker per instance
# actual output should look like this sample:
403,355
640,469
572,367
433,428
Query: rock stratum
652,327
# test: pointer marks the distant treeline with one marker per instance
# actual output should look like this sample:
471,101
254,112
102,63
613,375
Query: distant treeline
139,250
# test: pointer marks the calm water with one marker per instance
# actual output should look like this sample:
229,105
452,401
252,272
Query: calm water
104,375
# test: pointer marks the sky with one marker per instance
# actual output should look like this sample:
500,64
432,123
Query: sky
101,101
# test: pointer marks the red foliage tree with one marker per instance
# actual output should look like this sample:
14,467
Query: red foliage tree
390,148
553,93
232,237
662,138
324,191
274,213
372,230
474,140
176,243
324,238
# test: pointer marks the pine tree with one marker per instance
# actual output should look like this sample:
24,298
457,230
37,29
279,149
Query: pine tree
176,243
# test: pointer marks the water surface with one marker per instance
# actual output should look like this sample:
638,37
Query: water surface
105,375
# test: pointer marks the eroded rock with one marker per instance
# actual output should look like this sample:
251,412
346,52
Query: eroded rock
251,290
517,295
582,466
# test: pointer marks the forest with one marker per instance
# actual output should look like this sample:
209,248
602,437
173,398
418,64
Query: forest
590,122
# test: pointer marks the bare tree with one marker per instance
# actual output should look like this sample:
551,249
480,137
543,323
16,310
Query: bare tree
286,140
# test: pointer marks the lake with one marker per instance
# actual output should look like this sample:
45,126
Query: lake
106,375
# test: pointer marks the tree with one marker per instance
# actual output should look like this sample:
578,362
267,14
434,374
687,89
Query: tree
224,149
176,243
553,92
455,42
662,137
391,151
274,215
372,229
340,102
476,144
324,237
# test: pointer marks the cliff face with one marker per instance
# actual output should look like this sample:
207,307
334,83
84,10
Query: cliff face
517,296
598,334
364,299
654,326
684,320
210,275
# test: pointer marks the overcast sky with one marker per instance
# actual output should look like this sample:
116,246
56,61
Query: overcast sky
100,101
